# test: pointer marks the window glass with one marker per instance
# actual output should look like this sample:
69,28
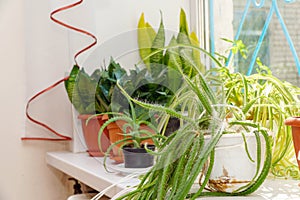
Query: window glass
275,51
250,34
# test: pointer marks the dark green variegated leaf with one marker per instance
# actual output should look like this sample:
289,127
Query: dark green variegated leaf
70,82
81,91
86,90
92,94
107,83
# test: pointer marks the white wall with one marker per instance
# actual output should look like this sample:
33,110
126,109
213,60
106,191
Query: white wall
35,53
24,173
115,23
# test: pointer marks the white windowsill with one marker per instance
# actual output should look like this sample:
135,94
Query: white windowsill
90,171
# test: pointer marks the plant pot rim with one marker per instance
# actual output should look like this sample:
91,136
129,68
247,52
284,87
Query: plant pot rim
142,147
232,135
87,116
292,121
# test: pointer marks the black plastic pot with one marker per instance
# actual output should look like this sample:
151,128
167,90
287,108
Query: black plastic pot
138,157
172,126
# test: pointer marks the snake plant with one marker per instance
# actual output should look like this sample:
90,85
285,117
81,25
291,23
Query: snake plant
150,41
91,94
145,85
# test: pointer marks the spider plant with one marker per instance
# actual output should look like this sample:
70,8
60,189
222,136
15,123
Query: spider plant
268,101
182,156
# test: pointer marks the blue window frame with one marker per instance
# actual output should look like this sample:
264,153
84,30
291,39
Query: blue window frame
270,30
250,34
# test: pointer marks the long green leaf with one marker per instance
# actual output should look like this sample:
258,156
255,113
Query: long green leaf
146,35
196,54
158,43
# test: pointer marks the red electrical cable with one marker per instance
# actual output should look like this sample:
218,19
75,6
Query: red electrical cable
61,137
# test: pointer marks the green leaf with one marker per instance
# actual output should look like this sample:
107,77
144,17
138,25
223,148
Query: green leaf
183,23
196,54
81,90
146,35
84,98
174,64
158,43
70,82
172,53
186,53
92,94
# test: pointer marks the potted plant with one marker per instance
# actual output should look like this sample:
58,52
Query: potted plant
90,95
268,101
142,84
136,137
294,123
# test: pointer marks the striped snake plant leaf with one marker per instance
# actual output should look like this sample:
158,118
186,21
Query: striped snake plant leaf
158,43
183,37
86,88
173,63
196,54
183,25
71,81
81,91
146,36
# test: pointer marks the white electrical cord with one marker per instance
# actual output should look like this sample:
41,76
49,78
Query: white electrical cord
128,177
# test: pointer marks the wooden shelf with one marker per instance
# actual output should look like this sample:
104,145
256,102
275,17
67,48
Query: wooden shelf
90,171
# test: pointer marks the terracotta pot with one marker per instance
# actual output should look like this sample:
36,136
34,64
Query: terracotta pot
294,122
115,134
90,133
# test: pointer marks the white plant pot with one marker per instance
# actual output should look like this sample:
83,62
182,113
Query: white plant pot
232,167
